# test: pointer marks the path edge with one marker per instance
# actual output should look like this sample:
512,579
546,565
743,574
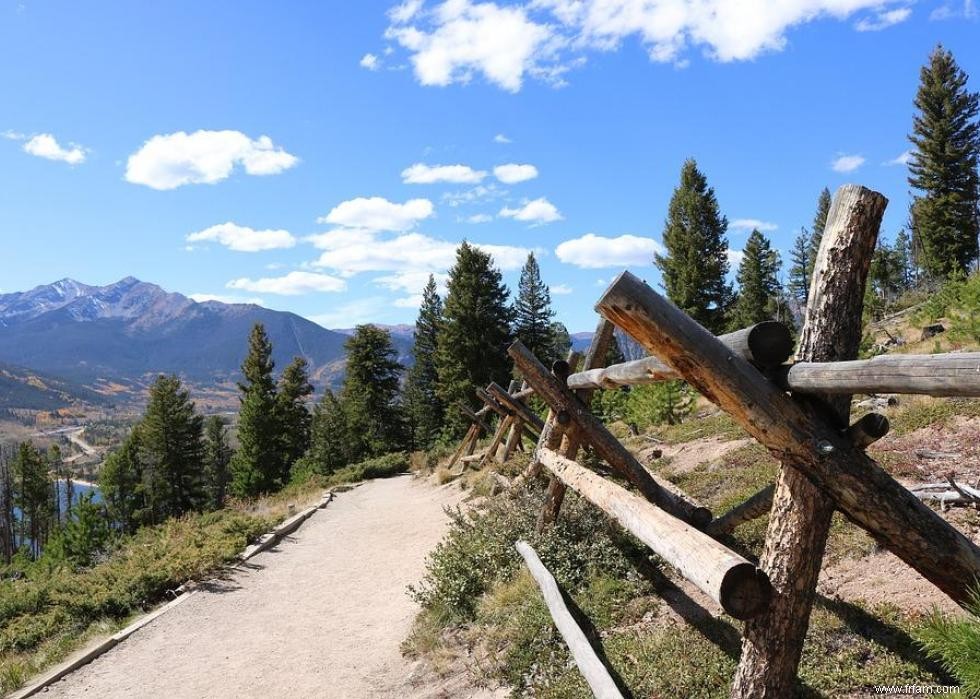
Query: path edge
184,592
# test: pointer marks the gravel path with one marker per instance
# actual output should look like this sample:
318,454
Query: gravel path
320,615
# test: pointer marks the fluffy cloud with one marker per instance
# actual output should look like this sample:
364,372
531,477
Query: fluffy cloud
370,61
420,173
364,310
847,163
594,252
560,289
747,224
378,214
478,218
501,138
900,159
168,161
512,173
538,211
292,284
46,146
243,238
883,19
458,39
735,257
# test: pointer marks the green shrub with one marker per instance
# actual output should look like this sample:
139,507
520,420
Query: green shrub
956,644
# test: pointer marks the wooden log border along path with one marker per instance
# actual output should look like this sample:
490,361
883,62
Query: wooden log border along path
798,411
184,592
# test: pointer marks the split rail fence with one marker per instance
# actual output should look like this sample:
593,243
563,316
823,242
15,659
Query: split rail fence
799,411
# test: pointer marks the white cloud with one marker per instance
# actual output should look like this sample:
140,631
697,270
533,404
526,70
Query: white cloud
479,194
459,39
512,173
478,218
735,257
46,146
370,61
420,173
594,252
12,135
538,211
747,224
883,19
900,159
405,12
847,163
949,11
501,138
413,281
243,238
378,214
168,161
413,301
501,43
353,313
560,289
225,298
292,284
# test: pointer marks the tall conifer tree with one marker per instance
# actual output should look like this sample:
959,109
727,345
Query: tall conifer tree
533,313
256,466
472,346
819,223
695,264
758,283
294,416
423,407
945,136
801,267
328,438
217,456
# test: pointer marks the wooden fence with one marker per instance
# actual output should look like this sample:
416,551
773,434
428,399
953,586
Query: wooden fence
799,411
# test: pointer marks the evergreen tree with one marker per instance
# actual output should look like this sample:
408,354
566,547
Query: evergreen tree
217,456
533,313
256,466
122,485
819,223
423,407
294,416
696,261
369,397
943,167
904,260
758,283
33,495
7,523
472,346
561,341
171,450
801,267
328,436
85,534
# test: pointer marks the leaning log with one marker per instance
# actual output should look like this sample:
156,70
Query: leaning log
797,434
954,374
749,509
868,430
473,417
766,344
471,434
518,407
498,437
596,674
591,431
738,586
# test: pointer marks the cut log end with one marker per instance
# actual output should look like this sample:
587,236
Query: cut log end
701,517
770,342
745,591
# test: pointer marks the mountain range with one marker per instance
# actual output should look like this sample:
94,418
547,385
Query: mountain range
127,332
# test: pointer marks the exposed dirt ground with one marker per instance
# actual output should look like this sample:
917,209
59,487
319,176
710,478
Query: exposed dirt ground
322,614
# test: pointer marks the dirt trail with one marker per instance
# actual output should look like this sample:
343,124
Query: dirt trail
322,614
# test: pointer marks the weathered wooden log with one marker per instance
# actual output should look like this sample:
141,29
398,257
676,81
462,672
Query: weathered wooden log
516,406
591,430
766,344
868,430
738,586
502,410
749,509
463,445
798,435
474,418
955,374
520,395
596,674
502,428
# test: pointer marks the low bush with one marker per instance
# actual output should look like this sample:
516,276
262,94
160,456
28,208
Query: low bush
380,467
956,644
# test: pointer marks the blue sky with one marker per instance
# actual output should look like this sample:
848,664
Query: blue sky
297,153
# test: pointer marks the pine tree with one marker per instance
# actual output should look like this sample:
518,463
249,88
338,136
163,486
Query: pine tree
533,313
217,456
122,485
943,167
561,341
904,260
294,416
7,524
256,466
423,408
819,223
172,450
369,397
33,495
800,267
695,265
472,346
328,436
84,535
758,282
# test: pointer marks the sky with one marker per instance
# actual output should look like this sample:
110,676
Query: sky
326,157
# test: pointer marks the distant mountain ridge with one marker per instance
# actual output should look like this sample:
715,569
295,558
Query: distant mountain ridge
132,329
